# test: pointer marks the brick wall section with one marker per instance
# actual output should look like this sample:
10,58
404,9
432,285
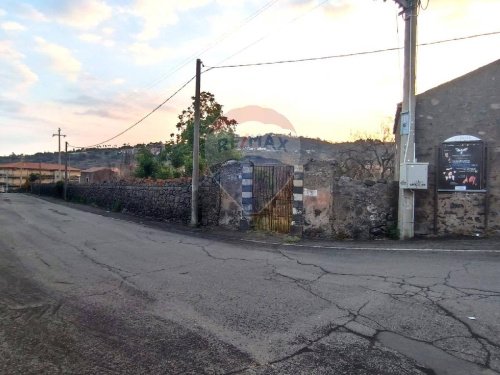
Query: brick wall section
468,105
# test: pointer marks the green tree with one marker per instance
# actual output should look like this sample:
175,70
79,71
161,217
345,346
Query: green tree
33,177
213,125
147,165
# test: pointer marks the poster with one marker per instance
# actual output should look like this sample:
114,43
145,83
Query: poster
461,166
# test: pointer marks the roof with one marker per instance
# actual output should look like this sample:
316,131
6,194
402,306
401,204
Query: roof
97,169
470,75
36,166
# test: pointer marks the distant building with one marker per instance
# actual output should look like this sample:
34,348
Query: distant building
14,175
97,175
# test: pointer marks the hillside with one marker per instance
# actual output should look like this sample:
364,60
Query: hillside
111,157
359,157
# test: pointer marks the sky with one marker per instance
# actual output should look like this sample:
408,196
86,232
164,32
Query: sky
95,67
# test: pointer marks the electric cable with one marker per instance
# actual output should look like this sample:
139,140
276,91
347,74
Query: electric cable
217,41
271,32
349,54
142,118
208,68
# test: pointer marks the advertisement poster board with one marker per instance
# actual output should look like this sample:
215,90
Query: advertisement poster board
461,166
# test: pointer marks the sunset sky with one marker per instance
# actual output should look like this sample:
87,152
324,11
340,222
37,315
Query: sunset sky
94,67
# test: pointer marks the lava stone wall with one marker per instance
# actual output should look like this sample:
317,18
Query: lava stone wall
338,207
170,201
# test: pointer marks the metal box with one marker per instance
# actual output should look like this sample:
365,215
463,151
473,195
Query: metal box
413,175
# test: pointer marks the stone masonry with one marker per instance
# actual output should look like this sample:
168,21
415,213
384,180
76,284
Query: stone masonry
468,105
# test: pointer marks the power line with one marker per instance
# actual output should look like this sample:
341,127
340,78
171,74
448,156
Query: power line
142,119
281,62
350,54
218,40
274,30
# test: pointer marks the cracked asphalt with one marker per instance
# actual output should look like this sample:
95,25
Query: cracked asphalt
83,293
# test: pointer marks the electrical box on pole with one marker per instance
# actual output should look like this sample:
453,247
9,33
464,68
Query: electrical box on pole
413,176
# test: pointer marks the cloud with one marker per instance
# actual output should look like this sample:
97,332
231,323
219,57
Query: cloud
28,77
158,14
12,26
84,14
8,52
101,113
10,106
118,81
108,31
62,61
96,39
2,12
85,100
16,76
144,54
31,13
338,8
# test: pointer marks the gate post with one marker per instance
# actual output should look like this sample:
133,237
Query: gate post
298,202
246,196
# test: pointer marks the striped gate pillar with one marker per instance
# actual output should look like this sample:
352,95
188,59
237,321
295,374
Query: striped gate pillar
246,196
298,201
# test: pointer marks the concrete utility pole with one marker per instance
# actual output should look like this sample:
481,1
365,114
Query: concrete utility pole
196,148
59,135
406,206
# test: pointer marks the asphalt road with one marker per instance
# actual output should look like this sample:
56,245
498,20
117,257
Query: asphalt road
82,293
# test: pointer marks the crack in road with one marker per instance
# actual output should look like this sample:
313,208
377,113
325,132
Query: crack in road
425,292
354,316
422,291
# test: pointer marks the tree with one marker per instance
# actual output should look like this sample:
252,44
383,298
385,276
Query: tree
147,165
369,155
213,125
33,177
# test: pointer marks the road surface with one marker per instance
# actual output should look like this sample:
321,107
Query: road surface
82,293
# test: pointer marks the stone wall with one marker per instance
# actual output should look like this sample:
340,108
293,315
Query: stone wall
338,207
171,202
229,179
168,200
317,199
468,105
461,213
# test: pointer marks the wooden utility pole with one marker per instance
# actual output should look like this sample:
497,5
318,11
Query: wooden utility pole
196,149
406,205
39,178
59,135
66,172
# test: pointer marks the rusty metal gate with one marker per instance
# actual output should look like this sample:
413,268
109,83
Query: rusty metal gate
273,197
